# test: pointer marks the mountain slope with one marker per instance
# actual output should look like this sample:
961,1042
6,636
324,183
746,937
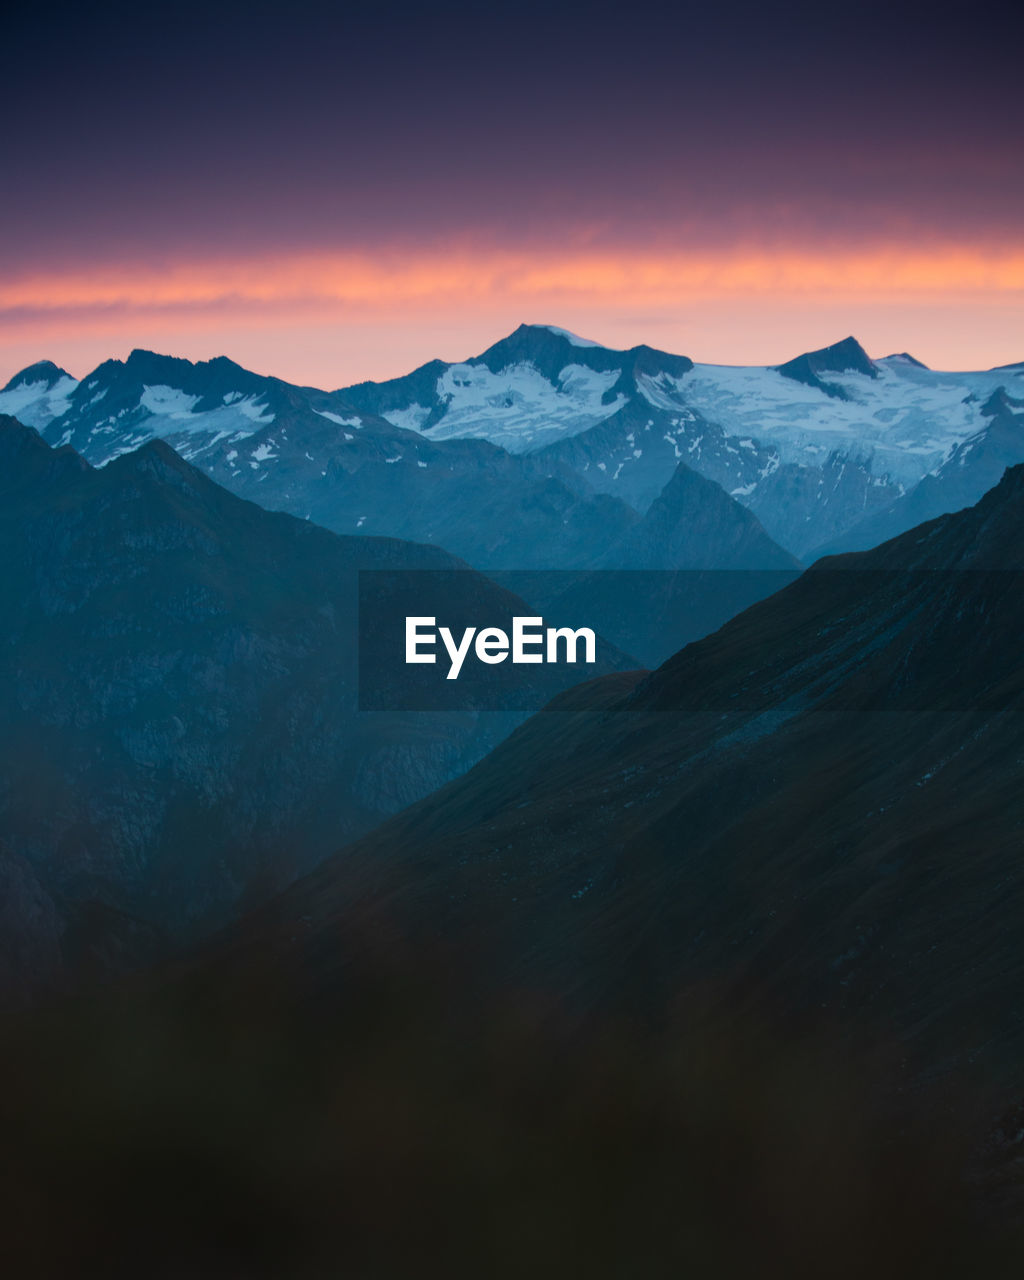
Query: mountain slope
818,810
179,724
535,386
694,524
692,562
972,468
847,356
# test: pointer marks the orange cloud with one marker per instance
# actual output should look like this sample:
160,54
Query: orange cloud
381,313
385,281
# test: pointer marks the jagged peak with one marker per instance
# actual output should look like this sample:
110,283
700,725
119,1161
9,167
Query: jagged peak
141,360
840,357
1000,401
550,349
543,336
651,360
157,458
159,451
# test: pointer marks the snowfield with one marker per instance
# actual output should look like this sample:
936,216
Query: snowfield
907,420
519,408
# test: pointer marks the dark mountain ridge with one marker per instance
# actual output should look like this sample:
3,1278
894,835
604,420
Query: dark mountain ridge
179,723
818,809
729,537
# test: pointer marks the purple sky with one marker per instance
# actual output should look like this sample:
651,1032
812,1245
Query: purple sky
189,176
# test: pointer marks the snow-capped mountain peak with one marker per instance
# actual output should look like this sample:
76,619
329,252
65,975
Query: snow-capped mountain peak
38,394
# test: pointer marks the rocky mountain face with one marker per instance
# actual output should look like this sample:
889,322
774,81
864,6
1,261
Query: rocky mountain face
817,810
179,721
729,536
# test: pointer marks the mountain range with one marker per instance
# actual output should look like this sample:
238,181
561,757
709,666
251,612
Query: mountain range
545,451
317,456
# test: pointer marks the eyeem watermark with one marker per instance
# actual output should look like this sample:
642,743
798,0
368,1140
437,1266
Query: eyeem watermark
516,641
530,642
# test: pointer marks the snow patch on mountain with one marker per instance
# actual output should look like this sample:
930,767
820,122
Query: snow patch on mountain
338,418
410,419
250,407
168,402
518,408
179,407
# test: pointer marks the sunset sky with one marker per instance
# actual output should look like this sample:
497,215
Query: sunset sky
335,192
